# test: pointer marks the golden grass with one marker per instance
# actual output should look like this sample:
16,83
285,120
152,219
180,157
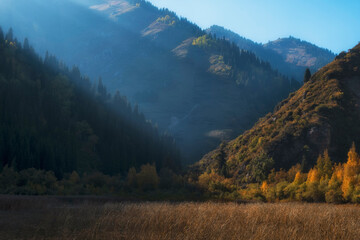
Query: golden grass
50,219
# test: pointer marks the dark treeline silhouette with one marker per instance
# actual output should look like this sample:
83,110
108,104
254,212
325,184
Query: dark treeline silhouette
53,118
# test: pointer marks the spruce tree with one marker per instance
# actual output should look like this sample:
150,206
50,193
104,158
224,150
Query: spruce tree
10,35
1,35
307,75
26,44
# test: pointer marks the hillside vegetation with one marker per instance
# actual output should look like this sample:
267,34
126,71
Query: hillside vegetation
53,118
322,115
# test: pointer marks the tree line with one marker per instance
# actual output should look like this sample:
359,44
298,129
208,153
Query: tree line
326,182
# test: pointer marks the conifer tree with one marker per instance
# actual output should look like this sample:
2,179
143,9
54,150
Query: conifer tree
26,44
1,35
221,161
59,123
10,35
320,165
101,89
307,75
324,165
328,166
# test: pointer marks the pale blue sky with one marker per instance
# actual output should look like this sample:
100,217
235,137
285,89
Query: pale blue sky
333,24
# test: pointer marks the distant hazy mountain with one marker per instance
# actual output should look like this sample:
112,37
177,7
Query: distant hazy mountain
200,89
290,56
323,114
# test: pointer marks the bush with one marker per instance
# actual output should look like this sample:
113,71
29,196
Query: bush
334,196
313,193
168,179
131,178
147,178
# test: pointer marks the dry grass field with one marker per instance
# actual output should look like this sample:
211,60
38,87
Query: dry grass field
102,218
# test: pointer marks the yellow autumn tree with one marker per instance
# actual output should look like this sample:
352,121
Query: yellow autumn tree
298,178
147,178
337,176
291,191
313,191
313,176
351,169
264,187
214,182
209,180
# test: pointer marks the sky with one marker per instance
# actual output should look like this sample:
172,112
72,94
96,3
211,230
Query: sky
332,24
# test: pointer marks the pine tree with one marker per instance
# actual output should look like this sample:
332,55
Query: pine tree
303,163
101,89
328,166
221,161
77,131
320,165
10,35
324,165
307,75
26,44
1,35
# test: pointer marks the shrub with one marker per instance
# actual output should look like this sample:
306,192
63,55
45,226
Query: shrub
334,196
147,178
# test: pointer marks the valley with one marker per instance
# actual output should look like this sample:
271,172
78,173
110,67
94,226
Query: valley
120,119
151,56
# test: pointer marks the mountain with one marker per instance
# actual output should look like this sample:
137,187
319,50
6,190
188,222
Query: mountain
200,89
290,56
54,119
323,114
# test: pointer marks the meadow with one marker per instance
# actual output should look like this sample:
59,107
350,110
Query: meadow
110,218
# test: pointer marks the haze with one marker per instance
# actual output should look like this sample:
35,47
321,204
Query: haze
329,24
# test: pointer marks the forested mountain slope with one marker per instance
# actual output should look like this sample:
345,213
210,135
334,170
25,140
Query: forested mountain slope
53,118
322,115
290,56
201,89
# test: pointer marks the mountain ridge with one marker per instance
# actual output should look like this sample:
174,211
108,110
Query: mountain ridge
322,115
290,56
